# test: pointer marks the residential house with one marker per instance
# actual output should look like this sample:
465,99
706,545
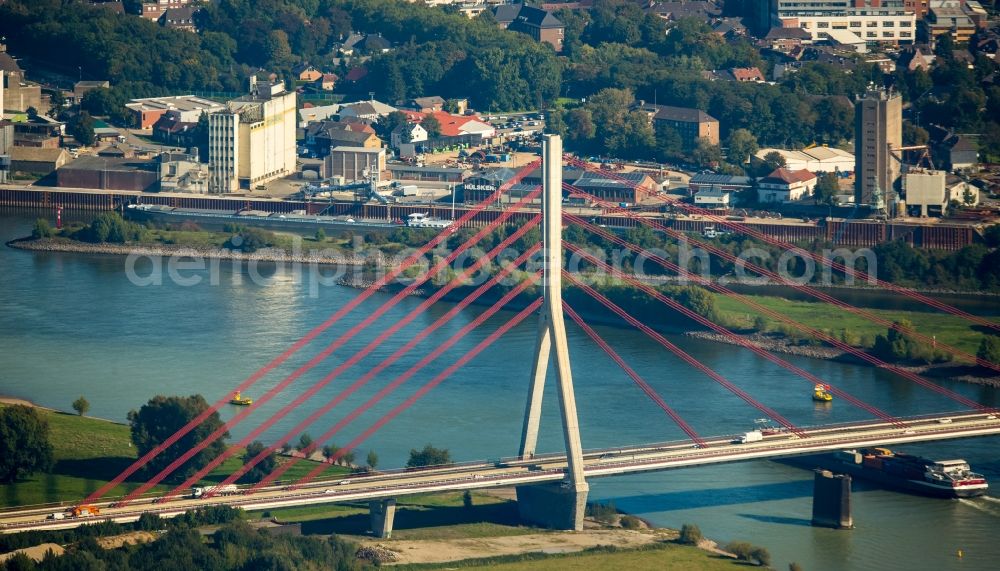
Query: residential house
356,74
407,133
81,88
505,14
783,185
169,129
785,40
181,18
326,82
729,28
154,9
962,152
962,190
690,124
917,57
426,104
363,44
747,74
321,137
540,25
307,73
705,11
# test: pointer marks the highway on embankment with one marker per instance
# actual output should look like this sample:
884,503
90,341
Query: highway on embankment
540,469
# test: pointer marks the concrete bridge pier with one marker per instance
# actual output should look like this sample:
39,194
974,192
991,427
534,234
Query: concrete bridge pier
383,512
832,500
555,506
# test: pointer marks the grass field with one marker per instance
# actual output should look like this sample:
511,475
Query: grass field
655,557
90,452
948,329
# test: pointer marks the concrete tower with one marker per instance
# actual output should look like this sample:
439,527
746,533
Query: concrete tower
560,506
878,120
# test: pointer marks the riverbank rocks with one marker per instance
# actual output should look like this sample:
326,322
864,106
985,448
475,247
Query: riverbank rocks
377,554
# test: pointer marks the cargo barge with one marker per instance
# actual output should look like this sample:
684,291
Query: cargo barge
897,470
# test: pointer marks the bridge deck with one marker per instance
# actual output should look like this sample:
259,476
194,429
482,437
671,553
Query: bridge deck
542,468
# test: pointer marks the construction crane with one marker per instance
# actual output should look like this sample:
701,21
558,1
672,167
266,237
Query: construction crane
926,154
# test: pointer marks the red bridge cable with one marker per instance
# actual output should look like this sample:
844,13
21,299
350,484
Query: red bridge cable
339,342
771,413
416,312
639,381
745,229
732,336
410,372
472,353
801,287
312,334
815,333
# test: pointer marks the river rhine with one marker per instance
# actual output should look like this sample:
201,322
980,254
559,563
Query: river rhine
73,324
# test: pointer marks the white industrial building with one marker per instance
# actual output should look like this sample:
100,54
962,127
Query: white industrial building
712,198
252,141
816,159
925,188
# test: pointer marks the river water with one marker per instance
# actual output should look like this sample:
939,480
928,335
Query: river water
73,324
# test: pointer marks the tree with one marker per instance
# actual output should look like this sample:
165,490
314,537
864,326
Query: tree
386,125
826,189
429,456
330,450
761,555
347,458
305,441
992,236
989,349
262,468
742,145
56,102
32,113
81,406
164,416
772,161
467,500
320,235
24,443
41,229
968,197
706,154
793,566
690,534
432,126
372,460
81,127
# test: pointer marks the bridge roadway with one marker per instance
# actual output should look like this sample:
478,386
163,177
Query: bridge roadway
540,469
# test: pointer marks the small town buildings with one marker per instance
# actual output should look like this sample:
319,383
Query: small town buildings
426,104
355,163
81,88
747,74
307,73
540,24
690,124
370,110
109,173
784,185
37,160
408,133
186,109
181,18
309,114
18,93
326,82
630,187
712,198
321,137
816,159
179,172
961,152
154,9
723,182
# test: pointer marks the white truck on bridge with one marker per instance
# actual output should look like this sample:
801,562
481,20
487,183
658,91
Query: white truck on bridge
226,490
752,436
